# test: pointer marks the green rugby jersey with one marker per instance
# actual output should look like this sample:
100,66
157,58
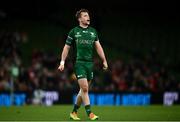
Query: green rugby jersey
84,39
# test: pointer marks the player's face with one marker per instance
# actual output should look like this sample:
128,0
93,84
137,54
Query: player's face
84,19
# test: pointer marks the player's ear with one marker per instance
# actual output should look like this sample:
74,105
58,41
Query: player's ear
79,18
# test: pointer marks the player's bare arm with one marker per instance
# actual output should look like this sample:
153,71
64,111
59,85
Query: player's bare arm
63,57
101,54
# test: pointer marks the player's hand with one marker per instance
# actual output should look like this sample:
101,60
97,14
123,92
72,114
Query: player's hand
105,65
61,66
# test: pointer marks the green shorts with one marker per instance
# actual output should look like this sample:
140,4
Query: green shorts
84,70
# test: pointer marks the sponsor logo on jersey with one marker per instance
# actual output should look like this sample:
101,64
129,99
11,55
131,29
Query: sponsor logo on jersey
78,34
92,34
84,41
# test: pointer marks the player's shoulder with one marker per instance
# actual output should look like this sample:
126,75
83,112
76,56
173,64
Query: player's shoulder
92,28
74,29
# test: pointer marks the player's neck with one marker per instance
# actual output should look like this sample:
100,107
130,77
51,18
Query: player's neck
83,25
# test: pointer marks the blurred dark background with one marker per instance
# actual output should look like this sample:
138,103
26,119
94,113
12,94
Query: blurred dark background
141,40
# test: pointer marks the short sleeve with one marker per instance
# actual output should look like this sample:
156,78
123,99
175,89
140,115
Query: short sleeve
97,38
70,38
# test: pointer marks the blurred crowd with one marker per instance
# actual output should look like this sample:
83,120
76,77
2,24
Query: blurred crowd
139,74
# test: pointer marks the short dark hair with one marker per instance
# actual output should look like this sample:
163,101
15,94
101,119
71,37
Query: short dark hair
78,13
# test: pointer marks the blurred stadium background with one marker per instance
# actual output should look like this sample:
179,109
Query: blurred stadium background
141,40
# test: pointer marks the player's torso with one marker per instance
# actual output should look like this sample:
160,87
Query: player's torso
84,39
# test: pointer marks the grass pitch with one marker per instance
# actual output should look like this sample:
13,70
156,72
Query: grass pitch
106,113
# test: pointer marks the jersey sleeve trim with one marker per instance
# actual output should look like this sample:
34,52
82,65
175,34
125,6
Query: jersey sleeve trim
70,38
